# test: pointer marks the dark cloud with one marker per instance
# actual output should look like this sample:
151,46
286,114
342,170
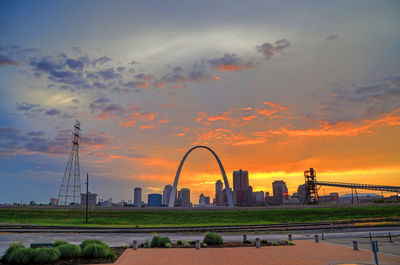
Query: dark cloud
35,133
331,37
32,110
101,60
199,73
230,62
268,50
144,76
105,109
75,101
53,112
6,61
13,141
108,73
177,75
76,63
361,101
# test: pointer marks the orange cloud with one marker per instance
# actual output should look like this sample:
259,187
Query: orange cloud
163,121
249,118
223,117
233,68
217,78
201,116
147,127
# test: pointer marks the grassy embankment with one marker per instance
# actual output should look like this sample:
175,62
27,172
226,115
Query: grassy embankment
147,218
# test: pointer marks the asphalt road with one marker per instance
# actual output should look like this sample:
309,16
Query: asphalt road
340,237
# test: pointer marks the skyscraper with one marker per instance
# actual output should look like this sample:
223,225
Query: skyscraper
137,196
241,186
280,191
167,194
184,197
219,193
154,199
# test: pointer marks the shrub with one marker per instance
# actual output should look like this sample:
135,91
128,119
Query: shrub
193,242
213,239
69,251
95,250
45,255
187,244
291,243
274,243
111,256
58,243
10,250
264,242
21,256
90,241
247,242
286,242
179,242
159,241
168,245
204,245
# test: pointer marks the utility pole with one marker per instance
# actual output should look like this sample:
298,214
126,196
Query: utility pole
87,196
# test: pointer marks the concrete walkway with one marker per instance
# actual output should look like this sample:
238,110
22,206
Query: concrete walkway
303,253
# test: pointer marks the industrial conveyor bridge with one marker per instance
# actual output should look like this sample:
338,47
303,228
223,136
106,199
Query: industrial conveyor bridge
311,186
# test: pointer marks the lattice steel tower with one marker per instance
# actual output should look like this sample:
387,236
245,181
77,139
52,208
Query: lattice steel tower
71,184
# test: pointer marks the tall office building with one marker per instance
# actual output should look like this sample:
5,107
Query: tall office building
241,187
204,200
184,197
219,193
302,194
167,194
154,199
137,196
280,191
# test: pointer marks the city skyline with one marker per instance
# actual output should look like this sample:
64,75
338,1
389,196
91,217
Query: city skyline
272,88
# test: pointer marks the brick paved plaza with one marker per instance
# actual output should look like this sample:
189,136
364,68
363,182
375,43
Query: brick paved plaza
303,253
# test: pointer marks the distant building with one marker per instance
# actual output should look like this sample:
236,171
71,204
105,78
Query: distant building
219,193
154,199
204,200
106,203
240,186
92,199
53,201
280,191
184,197
167,194
137,196
302,194
259,197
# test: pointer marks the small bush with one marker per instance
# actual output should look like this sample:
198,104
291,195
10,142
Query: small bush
159,241
46,255
146,244
187,244
168,245
69,251
286,242
95,250
274,243
10,250
90,241
204,245
264,242
213,239
247,242
193,242
111,256
21,256
58,243
291,243
179,242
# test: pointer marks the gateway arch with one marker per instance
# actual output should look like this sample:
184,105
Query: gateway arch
221,167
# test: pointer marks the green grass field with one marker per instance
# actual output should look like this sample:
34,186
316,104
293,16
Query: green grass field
147,218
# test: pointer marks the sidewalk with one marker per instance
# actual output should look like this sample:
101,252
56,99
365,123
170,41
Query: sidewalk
303,253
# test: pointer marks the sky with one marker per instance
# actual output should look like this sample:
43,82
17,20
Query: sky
273,87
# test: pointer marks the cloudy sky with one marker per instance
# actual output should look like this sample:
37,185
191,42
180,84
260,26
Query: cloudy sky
274,88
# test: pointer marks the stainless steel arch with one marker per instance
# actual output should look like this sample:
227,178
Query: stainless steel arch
221,167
